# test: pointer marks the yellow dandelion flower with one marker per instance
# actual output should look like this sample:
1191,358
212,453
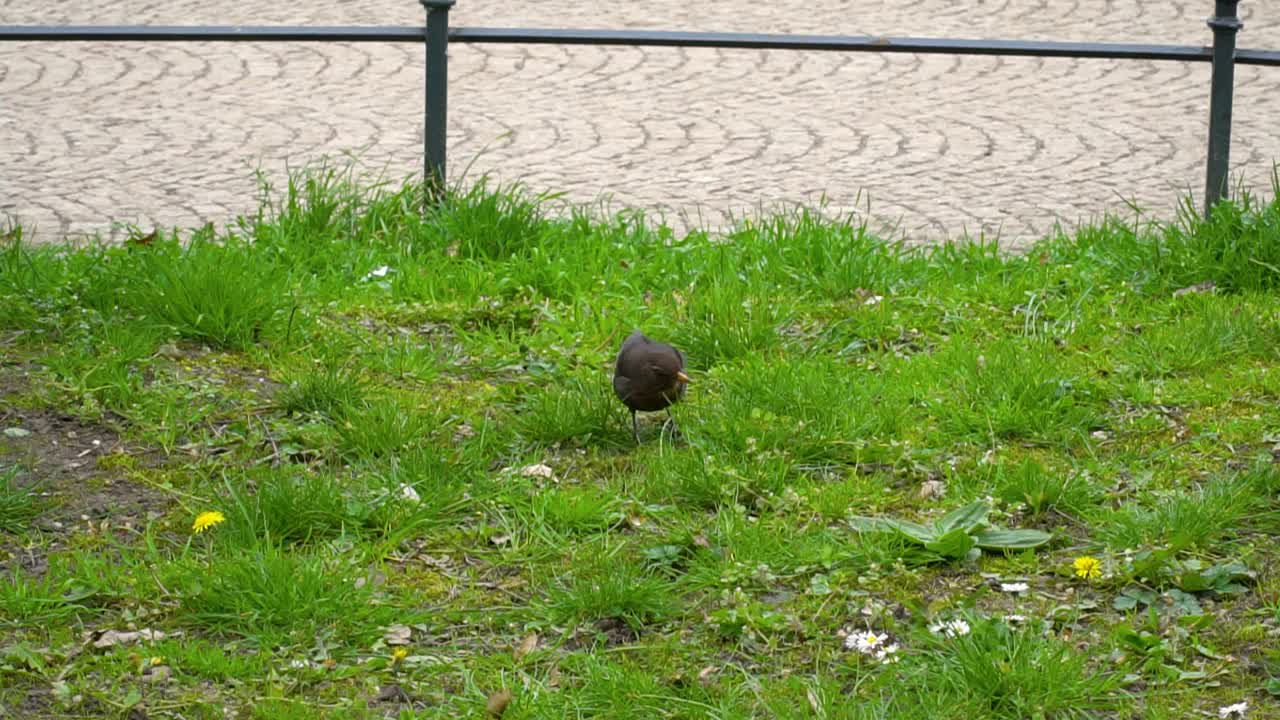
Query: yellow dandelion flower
399,654
206,520
1087,567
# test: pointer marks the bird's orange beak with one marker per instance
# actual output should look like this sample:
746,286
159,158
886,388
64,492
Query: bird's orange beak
682,377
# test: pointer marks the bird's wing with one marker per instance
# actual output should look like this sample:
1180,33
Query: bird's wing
622,386
634,339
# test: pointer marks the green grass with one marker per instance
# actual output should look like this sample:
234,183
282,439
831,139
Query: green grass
436,449
19,503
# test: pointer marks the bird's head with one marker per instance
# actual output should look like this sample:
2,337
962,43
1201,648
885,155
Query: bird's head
668,371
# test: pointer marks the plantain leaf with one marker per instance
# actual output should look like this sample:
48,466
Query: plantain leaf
915,531
970,518
1012,539
954,545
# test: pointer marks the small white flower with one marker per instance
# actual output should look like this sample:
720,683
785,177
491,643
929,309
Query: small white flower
864,642
409,494
888,654
1015,587
379,272
1237,710
1015,618
950,628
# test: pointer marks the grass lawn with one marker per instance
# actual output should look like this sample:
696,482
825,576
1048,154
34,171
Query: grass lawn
908,483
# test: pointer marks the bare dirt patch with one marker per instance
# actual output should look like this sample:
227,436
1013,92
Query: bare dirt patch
61,457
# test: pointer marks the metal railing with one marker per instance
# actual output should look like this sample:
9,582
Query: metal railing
436,35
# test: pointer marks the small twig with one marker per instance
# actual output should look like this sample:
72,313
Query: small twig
275,449
288,331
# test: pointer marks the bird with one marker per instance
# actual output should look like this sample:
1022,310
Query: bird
648,376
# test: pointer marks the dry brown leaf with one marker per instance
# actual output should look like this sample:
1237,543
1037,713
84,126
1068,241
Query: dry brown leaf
111,638
498,703
704,675
392,694
528,645
158,674
142,240
540,470
931,489
397,635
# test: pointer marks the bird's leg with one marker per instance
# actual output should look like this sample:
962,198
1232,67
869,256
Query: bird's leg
671,421
635,427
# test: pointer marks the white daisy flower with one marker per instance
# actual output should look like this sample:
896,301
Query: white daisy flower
950,628
864,642
888,654
1014,587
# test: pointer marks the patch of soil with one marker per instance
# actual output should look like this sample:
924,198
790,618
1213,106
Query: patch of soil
38,703
59,456
606,632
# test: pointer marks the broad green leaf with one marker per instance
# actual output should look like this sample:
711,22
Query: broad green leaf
1125,602
819,585
868,524
915,531
1195,622
1012,539
1208,652
955,544
969,518
1186,603
1194,581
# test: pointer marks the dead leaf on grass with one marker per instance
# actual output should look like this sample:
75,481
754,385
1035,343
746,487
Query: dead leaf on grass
528,645
932,489
103,639
397,635
142,240
498,703
391,694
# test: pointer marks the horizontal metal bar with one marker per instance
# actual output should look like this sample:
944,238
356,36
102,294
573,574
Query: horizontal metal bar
634,38
1257,57
209,33
855,43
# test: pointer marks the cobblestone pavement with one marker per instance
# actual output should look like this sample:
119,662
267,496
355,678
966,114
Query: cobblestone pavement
93,135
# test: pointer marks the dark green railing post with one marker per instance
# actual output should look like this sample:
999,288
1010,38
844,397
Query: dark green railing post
1225,24
435,123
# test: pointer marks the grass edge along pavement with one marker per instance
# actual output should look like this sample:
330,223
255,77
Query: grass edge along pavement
347,459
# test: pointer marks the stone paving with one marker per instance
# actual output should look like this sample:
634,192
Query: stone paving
96,135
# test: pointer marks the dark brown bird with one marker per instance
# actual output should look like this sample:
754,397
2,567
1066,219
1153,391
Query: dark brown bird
649,376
